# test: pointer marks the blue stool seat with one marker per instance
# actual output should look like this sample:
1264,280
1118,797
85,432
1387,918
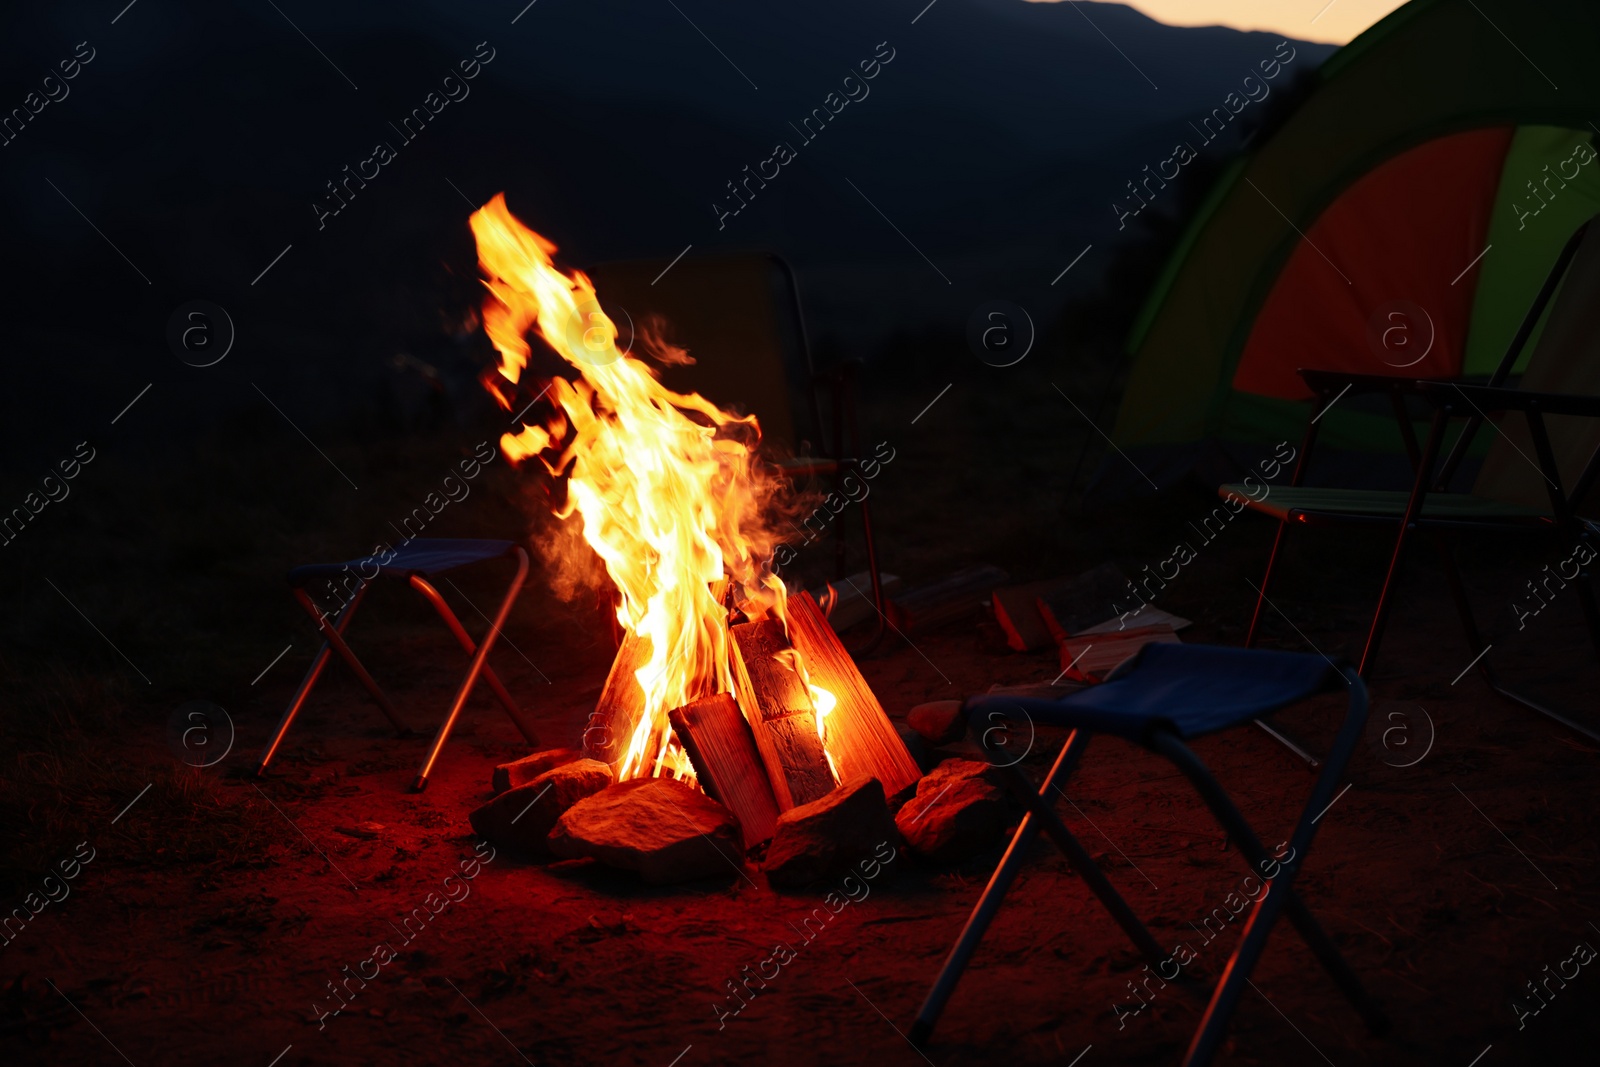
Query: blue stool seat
415,561
422,555
1191,690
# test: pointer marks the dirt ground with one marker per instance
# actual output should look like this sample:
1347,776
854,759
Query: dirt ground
216,910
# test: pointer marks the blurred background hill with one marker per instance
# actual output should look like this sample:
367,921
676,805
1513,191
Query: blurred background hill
995,141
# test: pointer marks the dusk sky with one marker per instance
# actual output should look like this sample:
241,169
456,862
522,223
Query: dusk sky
1307,20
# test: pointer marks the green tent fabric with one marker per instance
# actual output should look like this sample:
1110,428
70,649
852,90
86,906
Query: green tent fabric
1428,141
1509,279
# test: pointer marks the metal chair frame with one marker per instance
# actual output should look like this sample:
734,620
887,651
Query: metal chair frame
478,665
842,386
1468,401
1278,896
1472,402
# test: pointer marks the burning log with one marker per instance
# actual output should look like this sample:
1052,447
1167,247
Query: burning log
781,714
860,737
727,763
621,704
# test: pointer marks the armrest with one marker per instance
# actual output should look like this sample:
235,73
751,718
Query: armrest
1498,398
1332,381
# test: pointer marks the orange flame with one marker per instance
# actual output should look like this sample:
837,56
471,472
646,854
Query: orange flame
667,485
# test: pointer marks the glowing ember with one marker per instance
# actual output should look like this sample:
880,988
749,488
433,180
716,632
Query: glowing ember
667,486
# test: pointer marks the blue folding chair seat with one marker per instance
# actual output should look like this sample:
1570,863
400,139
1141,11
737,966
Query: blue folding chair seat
415,562
1191,690
423,555
1168,694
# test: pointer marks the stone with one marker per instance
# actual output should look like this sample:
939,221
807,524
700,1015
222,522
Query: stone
940,722
963,768
667,831
918,746
522,816
829,834
526,769
959,811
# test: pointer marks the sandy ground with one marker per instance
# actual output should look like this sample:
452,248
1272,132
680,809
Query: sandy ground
215,913
1449,883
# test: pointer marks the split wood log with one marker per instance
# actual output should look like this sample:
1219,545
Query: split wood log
853,598
727,763
616,715
1084,601
781,716
955,597
860,736
1016,609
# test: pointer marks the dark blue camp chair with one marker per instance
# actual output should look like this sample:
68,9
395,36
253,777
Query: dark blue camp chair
415,561
1170,694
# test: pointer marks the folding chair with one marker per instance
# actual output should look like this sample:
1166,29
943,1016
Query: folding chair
1166,696
741,319
416,561
1520,484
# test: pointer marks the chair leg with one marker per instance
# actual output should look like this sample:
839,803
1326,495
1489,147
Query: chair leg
1214,1024
1266,579
1380,615
422,586
993,896
334,638
1281,888
1408,523
1458,593
318,662
1486,666
1250,846
880,625
1311,762
479,659
1088,870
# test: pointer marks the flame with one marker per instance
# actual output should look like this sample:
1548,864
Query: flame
667,486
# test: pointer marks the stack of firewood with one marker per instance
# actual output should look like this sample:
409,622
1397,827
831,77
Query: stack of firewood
758,749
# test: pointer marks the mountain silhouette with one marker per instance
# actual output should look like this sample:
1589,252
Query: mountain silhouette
988,148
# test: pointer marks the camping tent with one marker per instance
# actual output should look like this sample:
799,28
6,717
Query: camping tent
1398,222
